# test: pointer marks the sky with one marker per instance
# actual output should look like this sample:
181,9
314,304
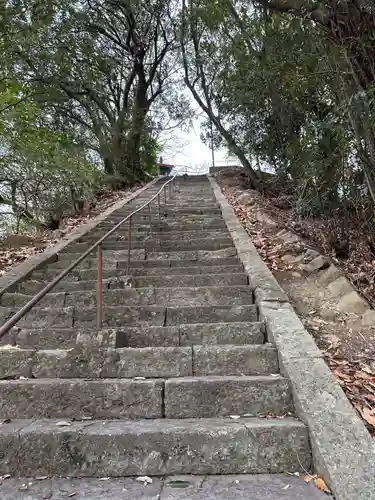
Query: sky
186,148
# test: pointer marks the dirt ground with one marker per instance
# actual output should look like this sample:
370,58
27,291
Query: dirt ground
18,247
346,339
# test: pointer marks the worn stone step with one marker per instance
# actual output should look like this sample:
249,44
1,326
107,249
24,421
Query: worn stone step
201,334
193,255
164,226
175,210
170,296
32,287
91,274
174,224
235,360
96,363
179,261
194,280
68,317
92,237
109,258
209,397
153,447
212,314
187,397
240,333
78,398
61,338
154,244
238,487
118,316
234,333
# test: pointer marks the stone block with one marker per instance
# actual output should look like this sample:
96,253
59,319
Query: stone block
285,330
343,450
50,338
235,360
153,362
210,314
240,487
48,398
353,303
222,333
148,336
194,280
205,397
15,362
121,316
155,447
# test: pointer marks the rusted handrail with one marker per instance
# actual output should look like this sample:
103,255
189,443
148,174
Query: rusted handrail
4,329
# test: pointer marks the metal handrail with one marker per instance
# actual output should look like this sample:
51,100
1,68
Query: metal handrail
4,329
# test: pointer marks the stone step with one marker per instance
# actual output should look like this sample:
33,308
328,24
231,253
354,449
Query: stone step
164,226
212,314
153,245
221,257
96,363
88,361
173,224
62,338
210,397
178,261
170,296
79,398
190,255
238,487
154,447
91,274
177,210
196,280
92,237
240,333
187,397
119,316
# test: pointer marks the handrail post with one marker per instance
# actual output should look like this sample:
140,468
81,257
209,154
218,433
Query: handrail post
170,189
165,194
149,218
159,205
99,297
129,245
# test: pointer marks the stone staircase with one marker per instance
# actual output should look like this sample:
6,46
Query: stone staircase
181,378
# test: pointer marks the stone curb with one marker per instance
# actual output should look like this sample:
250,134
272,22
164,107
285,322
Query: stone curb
20,272
343,451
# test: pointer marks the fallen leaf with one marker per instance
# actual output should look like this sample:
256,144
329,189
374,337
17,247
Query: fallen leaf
63,423
319,483
286,487
235,417
368,415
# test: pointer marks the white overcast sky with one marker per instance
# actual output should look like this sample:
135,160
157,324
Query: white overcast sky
186,148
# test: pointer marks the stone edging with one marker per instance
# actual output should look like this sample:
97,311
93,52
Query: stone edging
20,272
343,451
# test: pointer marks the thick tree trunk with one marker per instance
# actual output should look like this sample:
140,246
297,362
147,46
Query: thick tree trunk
132,159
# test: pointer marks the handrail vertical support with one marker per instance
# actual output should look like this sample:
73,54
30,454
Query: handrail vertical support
149,218
170,190
165,194
99,298
159,206
129,245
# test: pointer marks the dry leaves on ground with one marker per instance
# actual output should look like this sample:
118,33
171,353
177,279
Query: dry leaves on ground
39,241
357,379
318,481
